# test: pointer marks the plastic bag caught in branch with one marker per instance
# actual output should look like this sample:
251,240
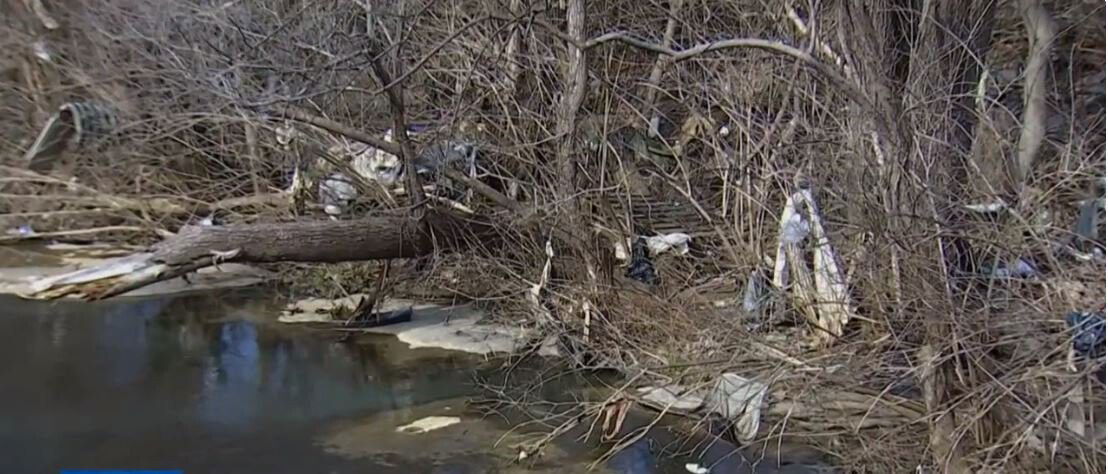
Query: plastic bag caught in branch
822,291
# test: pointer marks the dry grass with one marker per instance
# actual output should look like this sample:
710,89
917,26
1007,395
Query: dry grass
191,79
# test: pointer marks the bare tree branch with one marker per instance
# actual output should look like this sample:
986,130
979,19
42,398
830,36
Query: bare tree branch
395,91
677,55
1040,32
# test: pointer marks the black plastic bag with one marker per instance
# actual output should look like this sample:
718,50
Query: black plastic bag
641,268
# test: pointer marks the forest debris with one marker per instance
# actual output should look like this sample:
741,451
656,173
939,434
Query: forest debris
946,449
534,293
61,279
110,269
820,292
738,399
43,15
26,233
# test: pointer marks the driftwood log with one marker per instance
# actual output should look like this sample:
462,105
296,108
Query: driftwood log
196,247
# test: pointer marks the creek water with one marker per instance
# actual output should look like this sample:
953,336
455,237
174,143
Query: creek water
193,382
209,383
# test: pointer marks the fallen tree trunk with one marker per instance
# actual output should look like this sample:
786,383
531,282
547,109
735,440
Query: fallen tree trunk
311,241
369,238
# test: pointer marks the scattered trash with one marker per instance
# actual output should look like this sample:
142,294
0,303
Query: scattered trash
673,398
1022,268
213,219
987,208
336,193
1086,230
696,468
42,51
22,231
821,291
430,423
1088,338
756,294
440,155
738,399
285,134
620,250
376,165
641,268
677,241
794,229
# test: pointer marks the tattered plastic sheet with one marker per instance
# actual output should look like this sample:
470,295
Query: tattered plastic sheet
733,397
822,291
738,399
677,241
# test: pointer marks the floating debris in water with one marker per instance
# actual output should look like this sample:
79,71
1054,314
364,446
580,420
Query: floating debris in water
430,423
641,269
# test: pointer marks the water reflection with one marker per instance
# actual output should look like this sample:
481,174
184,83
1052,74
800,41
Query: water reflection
132,372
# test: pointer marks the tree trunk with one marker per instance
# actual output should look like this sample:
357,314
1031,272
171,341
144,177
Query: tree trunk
370,238
312,241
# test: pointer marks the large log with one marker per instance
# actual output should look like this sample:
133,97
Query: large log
309,241
196,247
